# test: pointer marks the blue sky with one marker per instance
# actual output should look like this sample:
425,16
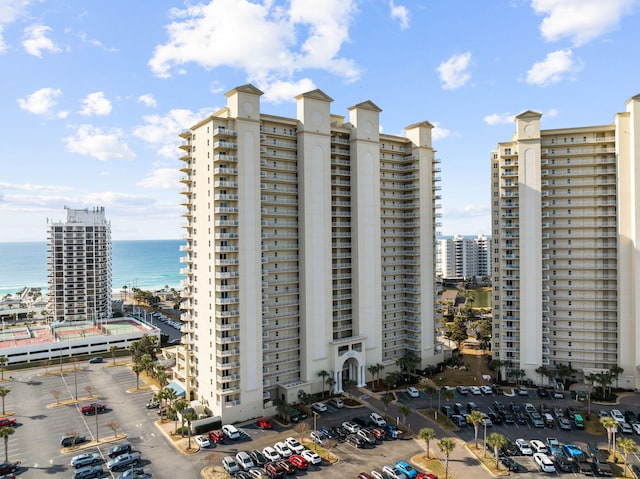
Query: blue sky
93,94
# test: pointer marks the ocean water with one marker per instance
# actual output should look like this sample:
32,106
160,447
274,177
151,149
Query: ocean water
144,264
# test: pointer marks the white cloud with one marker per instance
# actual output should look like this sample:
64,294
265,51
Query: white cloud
10,11
280,90
162,131
400,13
454,72
580,20
282,43
551,112
41,102
148,100
95,104
439,133
91,141
553,68
36,40
163,178
499,118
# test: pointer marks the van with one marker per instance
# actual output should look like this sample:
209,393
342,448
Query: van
336,402
548,420
579,422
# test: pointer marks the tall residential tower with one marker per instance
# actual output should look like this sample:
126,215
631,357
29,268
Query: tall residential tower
462,257
79,258
309,251
566,231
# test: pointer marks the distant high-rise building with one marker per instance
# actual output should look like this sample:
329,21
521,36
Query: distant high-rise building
309,251
463,257
79,259
565,234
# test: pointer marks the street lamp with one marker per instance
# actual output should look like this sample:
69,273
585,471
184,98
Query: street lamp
95,407
315,418
439,390
485,437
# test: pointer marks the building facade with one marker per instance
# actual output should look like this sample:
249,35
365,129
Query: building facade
462,257
309,251
565,238
79,264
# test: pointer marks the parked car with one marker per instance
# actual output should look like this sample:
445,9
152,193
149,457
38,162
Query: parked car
413,392
406,469
216,436
522,391
311,456
625,428
231,431
475,390
273,470
8,422
459,420
119,449
557,394
293,444
486,390
368,438
271,454
351,427
152,404
93,408
356,440
123,461
463,390
364,475
617,415
203,441
258,473
286,467
317,437
87,459
88,472
378,433
336,402
96,360
298,462
264,423
258,458
393,432
539,446
230,465
563,463
524,447
544,462
393,472
244,461
319,407
509,463
564,424
134,473
471,406
68,441
542,393
509,449
377,419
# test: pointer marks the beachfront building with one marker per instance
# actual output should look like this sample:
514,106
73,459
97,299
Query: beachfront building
463,257
79,263
565,238
309,251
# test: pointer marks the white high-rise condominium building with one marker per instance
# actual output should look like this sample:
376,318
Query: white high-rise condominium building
79,259
309,251
566,230
463,257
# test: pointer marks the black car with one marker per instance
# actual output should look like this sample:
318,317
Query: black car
447,410
356,441
509,463
543,393
339,433
472,407
495,418
119,449
258,458
363,421
510,449
507,417
631,417
563,463
515,408
499,407
458,408
68,441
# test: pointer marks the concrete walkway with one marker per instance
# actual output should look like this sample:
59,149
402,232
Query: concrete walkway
462,463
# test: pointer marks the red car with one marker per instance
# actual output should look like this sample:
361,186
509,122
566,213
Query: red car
7,467
426,475
287,467
216,436
93,408
8,422
264,423
378,433
298,461
273,471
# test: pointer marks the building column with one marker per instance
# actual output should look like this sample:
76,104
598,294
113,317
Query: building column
337,376
361,376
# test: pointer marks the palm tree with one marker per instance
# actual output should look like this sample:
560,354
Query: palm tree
178,407
542,371
169,395
373,369
3,392
324,375
427,434
447,395
113,350
611,425
405,411
475,418
496,441
189,417
3,362
5,432
330,382
137,369
430,391
386,400
627,446
446,446
380,368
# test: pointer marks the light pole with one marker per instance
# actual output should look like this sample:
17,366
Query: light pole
485,437
439,390
315,418
95,407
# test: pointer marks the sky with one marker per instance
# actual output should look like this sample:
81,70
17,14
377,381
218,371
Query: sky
94,94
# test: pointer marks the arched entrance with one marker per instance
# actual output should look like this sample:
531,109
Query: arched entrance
349,367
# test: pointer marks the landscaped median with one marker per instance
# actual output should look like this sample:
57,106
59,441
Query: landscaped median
432,465
487,459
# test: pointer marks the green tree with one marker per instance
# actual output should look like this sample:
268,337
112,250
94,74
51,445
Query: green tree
373,369
496,441
427,434
137,369
386,400
3,392
178,407
145,345
611,426
431,392
324,375
281,408
5,432
446,446
627,446
392,379
112,350
405,411
169,395
456,331
379,369
189,417
447,395
330,383
542,371
475,418
3,362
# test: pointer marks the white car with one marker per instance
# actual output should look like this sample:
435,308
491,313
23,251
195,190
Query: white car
378,475
271,454
475,390
524,447
293,444
413,392
377,419
231,431
393,472
312,457
352,427
464,390
282,449
203,441
625,428
636,428
486,390
539,446
542,460
617,415
319,407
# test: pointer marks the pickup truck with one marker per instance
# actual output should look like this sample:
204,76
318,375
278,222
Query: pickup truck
93,408
124,461
8,422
